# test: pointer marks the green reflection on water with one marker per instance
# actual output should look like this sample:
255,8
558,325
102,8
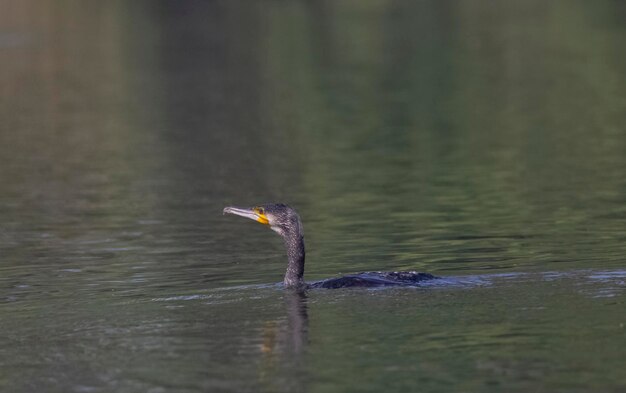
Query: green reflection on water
452,137
442,120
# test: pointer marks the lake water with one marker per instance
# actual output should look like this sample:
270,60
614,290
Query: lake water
482,142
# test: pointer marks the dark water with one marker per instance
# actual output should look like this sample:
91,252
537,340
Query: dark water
483,142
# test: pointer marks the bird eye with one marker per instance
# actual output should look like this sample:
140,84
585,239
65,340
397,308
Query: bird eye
260,210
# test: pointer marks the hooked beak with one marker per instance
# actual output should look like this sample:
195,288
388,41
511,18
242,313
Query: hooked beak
251,213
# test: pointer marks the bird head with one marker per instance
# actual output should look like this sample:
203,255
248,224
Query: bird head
280,217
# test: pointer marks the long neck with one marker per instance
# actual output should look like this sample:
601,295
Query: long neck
294,242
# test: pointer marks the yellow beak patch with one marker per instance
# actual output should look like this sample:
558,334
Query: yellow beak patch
261,217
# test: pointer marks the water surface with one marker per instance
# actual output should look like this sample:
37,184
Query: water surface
480,142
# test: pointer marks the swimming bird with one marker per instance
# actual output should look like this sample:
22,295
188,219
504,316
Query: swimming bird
285,221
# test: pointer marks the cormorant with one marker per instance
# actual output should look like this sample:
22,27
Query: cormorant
286,222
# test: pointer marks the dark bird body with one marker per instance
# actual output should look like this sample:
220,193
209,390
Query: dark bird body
286,222
374,279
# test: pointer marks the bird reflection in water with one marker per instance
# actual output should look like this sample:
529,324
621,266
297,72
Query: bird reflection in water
283,345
